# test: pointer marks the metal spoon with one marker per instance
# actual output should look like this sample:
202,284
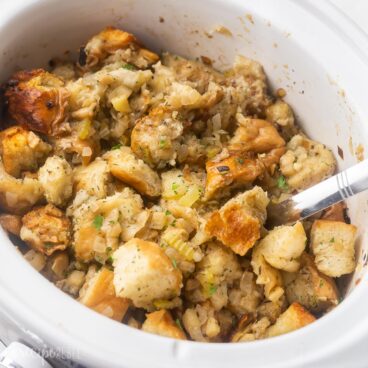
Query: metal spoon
333,190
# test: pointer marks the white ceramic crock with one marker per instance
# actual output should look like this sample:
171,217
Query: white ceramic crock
306,47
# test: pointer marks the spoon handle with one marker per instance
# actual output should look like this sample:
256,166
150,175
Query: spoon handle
322,195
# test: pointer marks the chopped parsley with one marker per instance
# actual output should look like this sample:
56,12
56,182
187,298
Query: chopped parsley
162,143
167,213
212,289
129,66
98,221
281,182
174,187
332,240
110,260
49,244
174,263
177,321
117,146
240,160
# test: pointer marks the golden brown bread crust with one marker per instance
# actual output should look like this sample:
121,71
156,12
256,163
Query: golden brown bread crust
99,294
111,40
235,228
292,319
22,150
46,229
238,170
37,100
161,323
11,223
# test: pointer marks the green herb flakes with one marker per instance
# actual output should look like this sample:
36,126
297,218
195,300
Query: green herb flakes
129,66
117,146
281,183
98,221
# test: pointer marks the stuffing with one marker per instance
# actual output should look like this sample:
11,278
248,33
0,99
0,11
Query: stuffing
238,223
306,163
35,259
280,113
255,135
183,187
11,223
80,150
92,178
142,182
18,196
267,276
293,318
56,178
98,294
283,246
333,245
247,330
161,323
109,41
22,150
46,229
125,166
219,267
143,273
202,323
155,138
245,296
230,170
37,100
100,224
311,288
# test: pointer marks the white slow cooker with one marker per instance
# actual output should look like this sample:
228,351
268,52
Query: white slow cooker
309,49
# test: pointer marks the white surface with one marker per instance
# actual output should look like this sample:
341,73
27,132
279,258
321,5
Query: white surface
357,10
57,321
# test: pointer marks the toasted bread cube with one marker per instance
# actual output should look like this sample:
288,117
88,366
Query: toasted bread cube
292,319
311,288
11,223
21,150
282,247
306,163
98,293
125,166
267,276
143,273
280,113
161,323
237,169
46,229
238,223
110,40
18,196
255,135
56,177
332,243
155,138
37,100
92,178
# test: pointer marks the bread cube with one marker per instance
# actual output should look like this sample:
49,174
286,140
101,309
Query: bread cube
332,243
143,273
161,323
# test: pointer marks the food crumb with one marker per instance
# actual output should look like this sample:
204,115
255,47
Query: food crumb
340,152
224,31
161,19
206,60
250,18
359,152
280,92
